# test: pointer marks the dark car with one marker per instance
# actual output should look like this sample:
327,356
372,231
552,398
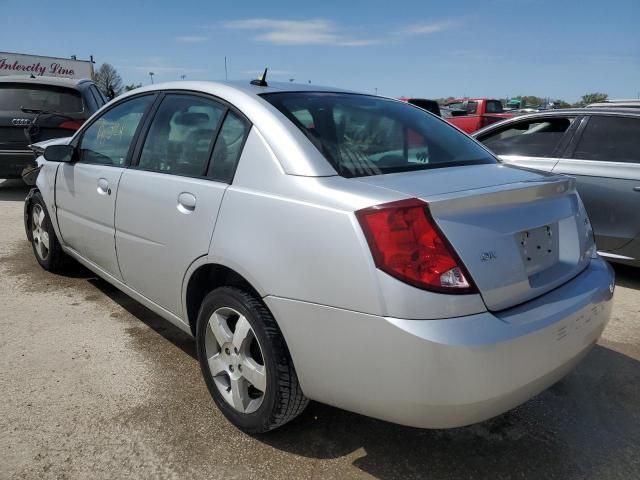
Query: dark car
37,109
426,104
601,149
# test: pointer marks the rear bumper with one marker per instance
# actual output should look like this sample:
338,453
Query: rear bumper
12,162
450,372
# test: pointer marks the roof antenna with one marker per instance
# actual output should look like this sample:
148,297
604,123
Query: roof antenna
262,81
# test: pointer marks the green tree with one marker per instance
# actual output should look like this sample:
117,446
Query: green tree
561,104
109,81
592,98
131,86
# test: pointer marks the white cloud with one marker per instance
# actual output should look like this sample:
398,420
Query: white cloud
426,28
191,39
299,32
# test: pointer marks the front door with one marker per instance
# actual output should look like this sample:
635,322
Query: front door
168,203
86,189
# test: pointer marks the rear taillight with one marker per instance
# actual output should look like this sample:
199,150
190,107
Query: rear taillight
70,125
406,243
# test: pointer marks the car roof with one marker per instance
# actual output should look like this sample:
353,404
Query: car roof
240,86
57,81
562,112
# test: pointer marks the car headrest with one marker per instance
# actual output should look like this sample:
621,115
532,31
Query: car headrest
191,119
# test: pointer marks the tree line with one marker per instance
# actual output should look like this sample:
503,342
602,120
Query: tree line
110,83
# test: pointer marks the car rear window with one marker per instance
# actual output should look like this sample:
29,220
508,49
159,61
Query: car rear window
364,135
494,106
40,97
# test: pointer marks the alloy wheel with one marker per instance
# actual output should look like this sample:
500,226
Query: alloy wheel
39,232
235,360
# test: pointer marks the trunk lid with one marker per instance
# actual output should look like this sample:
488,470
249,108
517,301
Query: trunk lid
519,233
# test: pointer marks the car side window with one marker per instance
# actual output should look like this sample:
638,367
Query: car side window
612,139
181,135
472,107
107,140
97,94
228,148
494,106
531,138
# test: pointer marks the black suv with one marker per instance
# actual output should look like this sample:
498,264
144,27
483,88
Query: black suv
37,109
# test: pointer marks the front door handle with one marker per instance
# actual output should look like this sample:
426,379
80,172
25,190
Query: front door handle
636,189
103,186
186,202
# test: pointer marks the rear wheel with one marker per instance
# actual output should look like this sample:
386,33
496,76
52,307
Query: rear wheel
245,362
45,244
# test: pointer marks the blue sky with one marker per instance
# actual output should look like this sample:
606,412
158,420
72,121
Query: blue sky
415,48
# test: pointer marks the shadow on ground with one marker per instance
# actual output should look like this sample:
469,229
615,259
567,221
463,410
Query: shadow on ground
13,190
627,276
586,426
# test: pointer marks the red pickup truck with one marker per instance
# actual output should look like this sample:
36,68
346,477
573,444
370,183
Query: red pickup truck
471,114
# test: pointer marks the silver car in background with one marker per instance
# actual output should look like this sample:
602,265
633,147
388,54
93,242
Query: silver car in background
327,245
600,148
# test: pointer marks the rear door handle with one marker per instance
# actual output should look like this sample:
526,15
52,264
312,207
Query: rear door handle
103,186
186,202
636,189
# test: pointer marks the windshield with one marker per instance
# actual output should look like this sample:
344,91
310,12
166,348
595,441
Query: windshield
364,135
39,97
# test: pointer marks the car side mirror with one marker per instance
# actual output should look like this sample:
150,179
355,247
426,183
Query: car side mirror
59,153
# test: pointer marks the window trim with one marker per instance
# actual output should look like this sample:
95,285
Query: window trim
77,140
142,135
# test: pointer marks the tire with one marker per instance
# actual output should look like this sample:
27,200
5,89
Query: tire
261,349
44,241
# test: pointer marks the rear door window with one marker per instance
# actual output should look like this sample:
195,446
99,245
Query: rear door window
14,97
472,107
181,135
228,148
610,139
530,138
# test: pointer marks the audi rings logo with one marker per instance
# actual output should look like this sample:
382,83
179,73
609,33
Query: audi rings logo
20,122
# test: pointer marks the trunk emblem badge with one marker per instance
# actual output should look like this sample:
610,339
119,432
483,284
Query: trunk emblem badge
20,122
486,256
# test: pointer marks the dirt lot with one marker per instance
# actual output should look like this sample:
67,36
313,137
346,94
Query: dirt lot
96,386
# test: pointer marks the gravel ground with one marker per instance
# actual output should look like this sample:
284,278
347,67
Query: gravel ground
96,386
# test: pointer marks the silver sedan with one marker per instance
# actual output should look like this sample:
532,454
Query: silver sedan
327,245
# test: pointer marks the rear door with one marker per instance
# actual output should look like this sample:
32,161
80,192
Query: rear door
532,142
168,203
86,189
605,160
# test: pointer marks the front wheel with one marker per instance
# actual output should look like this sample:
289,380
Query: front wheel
245,362
43,238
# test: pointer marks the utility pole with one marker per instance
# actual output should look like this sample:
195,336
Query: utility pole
226,77
151,74
376,90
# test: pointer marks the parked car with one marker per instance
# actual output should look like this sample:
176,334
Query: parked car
37,109
327,245
628,103
429,105
480,112
600,148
